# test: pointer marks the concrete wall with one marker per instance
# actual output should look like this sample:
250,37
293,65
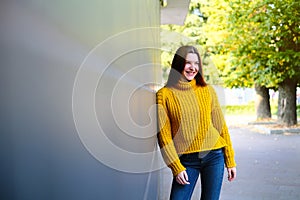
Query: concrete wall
75,86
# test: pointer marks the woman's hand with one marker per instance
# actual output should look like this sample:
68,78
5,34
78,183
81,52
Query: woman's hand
231,173
182,178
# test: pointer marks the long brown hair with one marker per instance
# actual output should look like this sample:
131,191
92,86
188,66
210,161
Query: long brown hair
178,64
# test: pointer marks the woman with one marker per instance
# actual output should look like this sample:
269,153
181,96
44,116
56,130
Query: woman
193,135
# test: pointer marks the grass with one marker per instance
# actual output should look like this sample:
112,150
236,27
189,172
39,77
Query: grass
240,110
249,109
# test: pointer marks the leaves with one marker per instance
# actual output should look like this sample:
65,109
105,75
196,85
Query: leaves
259,40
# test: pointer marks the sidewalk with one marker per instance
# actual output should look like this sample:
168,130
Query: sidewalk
268,167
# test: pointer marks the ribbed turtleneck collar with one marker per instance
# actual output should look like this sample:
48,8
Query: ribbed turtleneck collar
186,85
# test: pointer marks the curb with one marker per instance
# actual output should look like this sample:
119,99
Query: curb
261,126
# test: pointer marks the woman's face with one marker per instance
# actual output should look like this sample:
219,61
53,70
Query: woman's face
191,67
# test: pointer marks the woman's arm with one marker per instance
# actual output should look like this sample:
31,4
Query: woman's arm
220,124
164,135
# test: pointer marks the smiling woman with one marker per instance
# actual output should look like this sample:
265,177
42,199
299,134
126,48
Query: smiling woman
186,62
192,132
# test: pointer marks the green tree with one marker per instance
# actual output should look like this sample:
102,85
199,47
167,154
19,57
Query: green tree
219,29
259,46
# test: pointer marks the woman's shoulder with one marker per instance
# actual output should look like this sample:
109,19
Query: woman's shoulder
210,88
212,91
164,91
207,88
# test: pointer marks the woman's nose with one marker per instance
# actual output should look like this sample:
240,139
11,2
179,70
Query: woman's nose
193,67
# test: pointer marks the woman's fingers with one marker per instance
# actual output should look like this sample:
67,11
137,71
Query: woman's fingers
231,173
182,178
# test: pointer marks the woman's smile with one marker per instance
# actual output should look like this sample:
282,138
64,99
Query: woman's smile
191,67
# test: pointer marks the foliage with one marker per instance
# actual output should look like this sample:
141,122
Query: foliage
257,41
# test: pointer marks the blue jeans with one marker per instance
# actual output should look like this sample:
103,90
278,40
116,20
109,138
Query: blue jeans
210,166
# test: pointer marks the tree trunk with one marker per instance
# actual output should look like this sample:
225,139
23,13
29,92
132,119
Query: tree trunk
287,114
262,102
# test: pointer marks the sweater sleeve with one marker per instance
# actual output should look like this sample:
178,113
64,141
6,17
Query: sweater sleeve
220,124
164,135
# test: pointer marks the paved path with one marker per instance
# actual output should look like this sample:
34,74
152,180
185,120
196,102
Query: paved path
268,167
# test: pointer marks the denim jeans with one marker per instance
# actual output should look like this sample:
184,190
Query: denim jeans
210,166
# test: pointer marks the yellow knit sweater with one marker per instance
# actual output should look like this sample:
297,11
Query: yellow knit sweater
190,120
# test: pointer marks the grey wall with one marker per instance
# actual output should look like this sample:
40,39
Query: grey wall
75,95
